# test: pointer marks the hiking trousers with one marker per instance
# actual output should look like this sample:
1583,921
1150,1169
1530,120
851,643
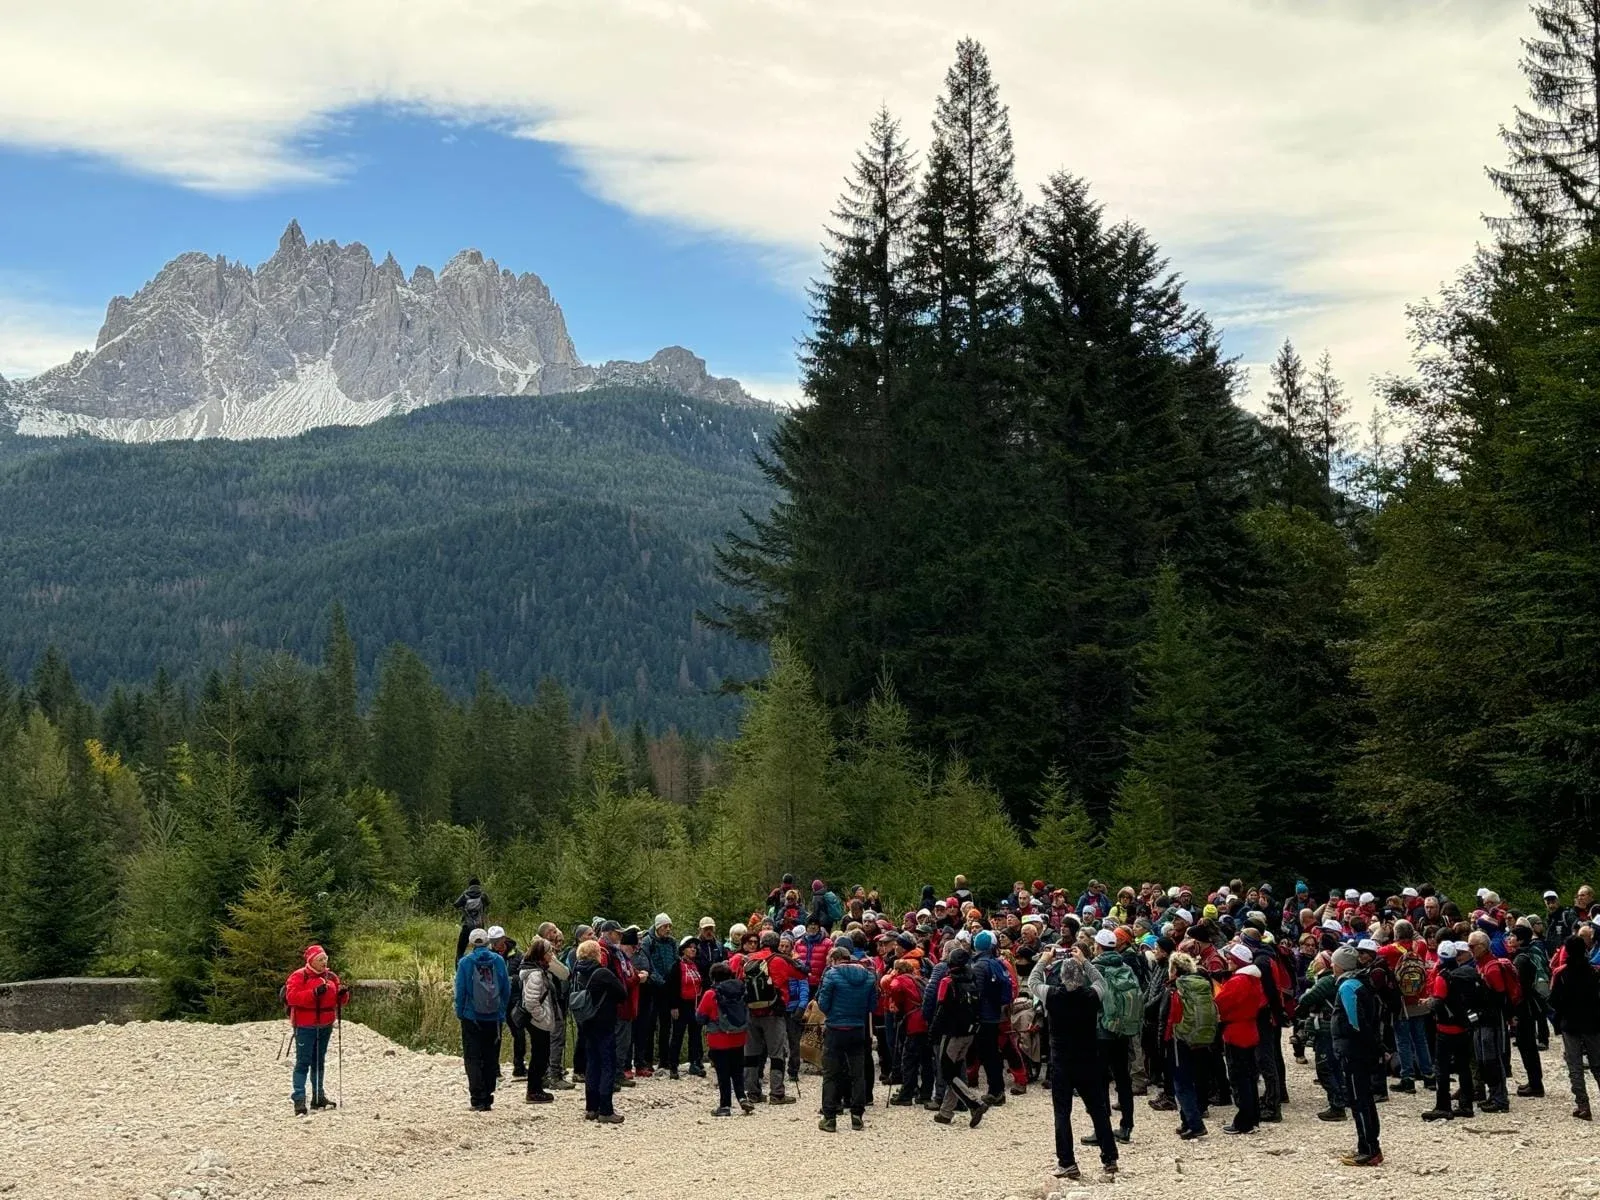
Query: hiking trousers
1090,1086
844,1071
1489,1044
1454,1058
994,1071
953,1074
310,1058
1528,1047
916,1067
769,1042
1411,1044
1243,1077
1330,1072
1269,1053
600,1068
683,1026
1118,1053
1358,1072
729,1066
1185,1087
538,1058
480,1054
1575,1047
558,1049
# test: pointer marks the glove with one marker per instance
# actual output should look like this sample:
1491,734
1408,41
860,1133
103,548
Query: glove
344,994
320,990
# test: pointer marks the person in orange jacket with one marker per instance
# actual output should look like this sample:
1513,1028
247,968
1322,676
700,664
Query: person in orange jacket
1239,1001
314,997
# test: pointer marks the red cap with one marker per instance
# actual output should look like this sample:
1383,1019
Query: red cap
312,951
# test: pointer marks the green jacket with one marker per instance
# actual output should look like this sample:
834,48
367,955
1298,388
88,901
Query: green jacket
1318,1000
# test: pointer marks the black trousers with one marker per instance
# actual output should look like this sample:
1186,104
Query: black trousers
662,1041
729,1066
538,1058
1528,1047
1452,1056
1359,1069
461,941
644,1025
1119,1073
480,1054
844,1071
1090,1086
916,1066
988,1047
1242,1075
685,1025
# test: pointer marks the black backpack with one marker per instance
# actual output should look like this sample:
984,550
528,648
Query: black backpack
958,1013
1464,995
761,993
472,912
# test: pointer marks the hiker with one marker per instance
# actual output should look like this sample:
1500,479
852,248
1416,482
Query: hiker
1240,1000
903,991
684,985
1191,1030
1497,1001
1524,952
474,906
1406,957
800,993
826,906
722,1010
1121,1017
1357,1016
954,1026
994,997
1575,997
1072,992
558,966
652,1028
847,996
711,950
595,996
537,999
1457,994
483,991
506,948
314,997
1318,1001
767,976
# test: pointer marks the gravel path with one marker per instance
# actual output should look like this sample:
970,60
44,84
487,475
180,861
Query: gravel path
188,1111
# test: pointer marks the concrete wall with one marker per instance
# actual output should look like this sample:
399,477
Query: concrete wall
42,1004
39,1005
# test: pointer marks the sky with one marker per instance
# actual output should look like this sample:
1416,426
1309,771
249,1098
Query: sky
667,166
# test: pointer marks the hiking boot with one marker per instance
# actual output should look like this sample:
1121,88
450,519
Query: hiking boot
1272,1116
539,1098
828,1125
902,1101
519,1072
1070,1171
1122,1135
673,1075
943,1117
757,1098
697,1069
323,1102
627,1080
1017,1089
1109,1168
1381,1098
931,1106
856,1122
1438,1114
1495,1106
610,1119
1331,1113
1406,1087
1230,1127
1089,1140
975,1114
746,1107
1528,1090
590,1115
1465,1114
641,1073
1164,1104
777,1099
300,1108
1189,1135
994,1100
577,1076
1362,1160
563,1084
722,1112
1582,1113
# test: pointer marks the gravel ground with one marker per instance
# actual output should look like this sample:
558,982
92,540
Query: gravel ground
188,1111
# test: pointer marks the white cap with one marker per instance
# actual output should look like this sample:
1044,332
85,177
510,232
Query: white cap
1409,893
1223,890
923,912
1332,926
1033,919
1242,953
1482,892
708,923
1172,892
1106,938
1184,915
1367,898
495,933
1351,894
661,919
1447,949
1552,895
1367,944
477,938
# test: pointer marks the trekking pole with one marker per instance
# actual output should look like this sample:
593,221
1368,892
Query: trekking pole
284,1044
339,1029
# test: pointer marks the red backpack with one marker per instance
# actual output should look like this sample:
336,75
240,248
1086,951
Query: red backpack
1511,982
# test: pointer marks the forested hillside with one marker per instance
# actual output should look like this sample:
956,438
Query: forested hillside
565,536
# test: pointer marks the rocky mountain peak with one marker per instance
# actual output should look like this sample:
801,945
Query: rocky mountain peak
321,335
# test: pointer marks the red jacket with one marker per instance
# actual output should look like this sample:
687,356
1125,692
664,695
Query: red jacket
1238,1002
782,970
904,994
1439,989
309,1009
813,956
711,1010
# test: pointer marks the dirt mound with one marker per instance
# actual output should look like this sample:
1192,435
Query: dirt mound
187,1111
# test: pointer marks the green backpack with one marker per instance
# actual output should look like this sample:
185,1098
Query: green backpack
1541,971
1198,1024
1122,1014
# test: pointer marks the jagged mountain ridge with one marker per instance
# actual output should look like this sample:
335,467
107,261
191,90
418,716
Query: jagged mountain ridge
320,335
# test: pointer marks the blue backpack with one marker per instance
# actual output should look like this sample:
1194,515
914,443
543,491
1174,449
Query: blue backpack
485,988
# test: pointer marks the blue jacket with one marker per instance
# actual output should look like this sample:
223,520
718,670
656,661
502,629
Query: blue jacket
848,995
994,987
662,955
464,972
930,992
799,997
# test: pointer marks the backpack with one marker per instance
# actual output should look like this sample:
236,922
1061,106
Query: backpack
1411,977
1513,981
1464,995
472,912
833,906
582,1004
959,1013
1198,1024
733,1014
761,993
1123,1012
485,989
1541,971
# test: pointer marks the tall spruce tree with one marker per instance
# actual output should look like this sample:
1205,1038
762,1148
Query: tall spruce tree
408,754
1553,176
342,734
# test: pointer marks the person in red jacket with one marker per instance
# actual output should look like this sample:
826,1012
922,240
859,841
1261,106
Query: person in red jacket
727,1031
314,996
1239,1001
903,993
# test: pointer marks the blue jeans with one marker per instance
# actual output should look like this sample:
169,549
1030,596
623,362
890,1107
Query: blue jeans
310,1057
1184,1087
1411,1043
600,1071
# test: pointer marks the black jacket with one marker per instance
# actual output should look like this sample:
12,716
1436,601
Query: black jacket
1575,995
460,902
608,992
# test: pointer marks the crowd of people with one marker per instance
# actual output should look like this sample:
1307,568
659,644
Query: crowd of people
1184,997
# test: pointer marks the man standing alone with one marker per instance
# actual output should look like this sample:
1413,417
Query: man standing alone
483,991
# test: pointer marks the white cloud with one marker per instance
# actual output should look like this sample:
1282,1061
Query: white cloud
1275,146
36,334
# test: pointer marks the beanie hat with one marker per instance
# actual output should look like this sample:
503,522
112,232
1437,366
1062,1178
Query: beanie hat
312,951
983,941
1166,943
1210,912
816,885
630,936
1242,953
1124,936
1344,959
661,919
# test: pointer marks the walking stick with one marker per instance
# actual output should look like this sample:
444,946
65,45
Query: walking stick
339,1027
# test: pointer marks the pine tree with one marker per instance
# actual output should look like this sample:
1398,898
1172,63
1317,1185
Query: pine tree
486,790
1064,847
640,775
264,938
338,719
1553,177
550,759
1291,409
1329,408
408,755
